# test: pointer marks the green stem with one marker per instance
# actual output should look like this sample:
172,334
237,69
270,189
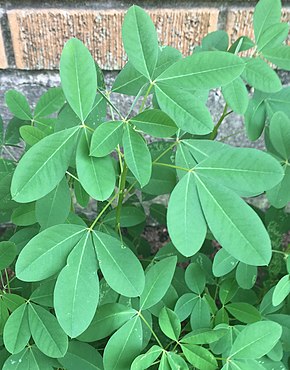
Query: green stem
150,328
280,252
172,166
223,116
145,98
111,104
7,281
134,102
103,211
165,151
121,195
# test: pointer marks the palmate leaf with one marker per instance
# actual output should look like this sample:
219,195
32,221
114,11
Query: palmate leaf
33,176
140,40
77,289
233,223
205,70
78,77
46,253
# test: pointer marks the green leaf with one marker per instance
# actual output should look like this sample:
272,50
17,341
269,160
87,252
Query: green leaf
223,263
217,40
140,40
279,55
273,36
54,207
202,149
185,221
46,332
120,267
244,365
137,155
183,159
280,134
200,357
281,291
185,305
50,102
31,134
233,223
176,361
8,253
77,289
278,102
244,312
157,281
155,123
105,138
167,56
169,323
4,315
256,340
195,278
261,76
78,77
236,95
243,43
124,346
279,196
228,290
12,301
24,215
82,197
81,356
267,13
246,275
255,117
130,216
184,108
96,175
129,81
16,331
200,315
43,295
144,361
108,318
205,70
18,105
203,336
46,253
33,176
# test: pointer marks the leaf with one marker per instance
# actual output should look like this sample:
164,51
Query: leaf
96,175
29,358
129,81
33,176
137,155
236,95
31,134
195,278
244,365
200,315
130,216
202,149
12,301
167,56
155,123
183,159
204,71
18,105
280,134
243,43
54,207
124,346
108,318
204,336
169,323
157,281
46,332
279,196
185,305
278,102
24,215
140,40
233,223
50,102
46,253
176,361
189,113
16,331
281,291
223,263
4,315
255,117
200,357
246,275
185,221
267,13
82,197
273,36
81,356
244,312
105,138
217,40
261,76
144,361
120,267
279,55
78,77
43,295
8,253
77,289
256,340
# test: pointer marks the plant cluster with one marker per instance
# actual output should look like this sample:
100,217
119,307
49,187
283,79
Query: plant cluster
81,293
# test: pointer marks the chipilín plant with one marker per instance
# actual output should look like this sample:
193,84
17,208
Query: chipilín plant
81,292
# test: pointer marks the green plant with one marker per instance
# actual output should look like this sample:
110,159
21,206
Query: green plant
81,293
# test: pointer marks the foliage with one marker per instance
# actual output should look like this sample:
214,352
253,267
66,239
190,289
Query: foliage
83,293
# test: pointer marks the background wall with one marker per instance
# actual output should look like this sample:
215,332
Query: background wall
32,34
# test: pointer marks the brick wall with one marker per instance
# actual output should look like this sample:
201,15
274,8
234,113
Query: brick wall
33,33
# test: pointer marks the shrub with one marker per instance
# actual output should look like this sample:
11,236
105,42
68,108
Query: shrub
83,293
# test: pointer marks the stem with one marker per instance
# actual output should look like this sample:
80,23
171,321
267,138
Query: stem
145,98
223,116
280,252
135,101
149,327
121,195
7,281
172,166
111,104
72,176
165,151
